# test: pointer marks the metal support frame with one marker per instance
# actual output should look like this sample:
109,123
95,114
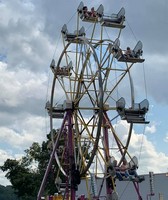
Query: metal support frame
67,118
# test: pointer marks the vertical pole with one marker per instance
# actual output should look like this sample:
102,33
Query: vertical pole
136,185
71,153
106,147
151,182
50,161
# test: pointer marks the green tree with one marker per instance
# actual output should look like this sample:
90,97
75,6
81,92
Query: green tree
27,173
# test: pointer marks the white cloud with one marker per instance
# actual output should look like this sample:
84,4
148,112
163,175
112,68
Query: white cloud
19,85
166,138
23,132
148,156
3,180
150,128
23,38
5,155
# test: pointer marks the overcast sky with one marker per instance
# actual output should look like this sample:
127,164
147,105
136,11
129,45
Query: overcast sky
29,32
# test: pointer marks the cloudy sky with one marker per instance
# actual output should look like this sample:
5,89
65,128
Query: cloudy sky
29,34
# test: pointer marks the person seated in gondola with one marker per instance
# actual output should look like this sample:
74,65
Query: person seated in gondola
85,11
76,179
122,171
128,53
138,53
132,171
111,178
93,12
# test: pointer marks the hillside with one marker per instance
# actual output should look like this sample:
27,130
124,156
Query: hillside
7,193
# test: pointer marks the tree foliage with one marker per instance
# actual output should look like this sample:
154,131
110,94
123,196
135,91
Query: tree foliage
27,173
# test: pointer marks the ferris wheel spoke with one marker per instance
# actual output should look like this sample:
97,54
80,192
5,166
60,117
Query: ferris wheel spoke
116,85
121,147
87,124
88,88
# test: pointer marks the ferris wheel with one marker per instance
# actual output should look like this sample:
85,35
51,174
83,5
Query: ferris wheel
92,94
